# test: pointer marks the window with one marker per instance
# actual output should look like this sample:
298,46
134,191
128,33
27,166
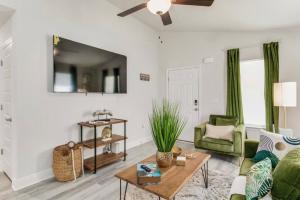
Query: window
63,82
252,85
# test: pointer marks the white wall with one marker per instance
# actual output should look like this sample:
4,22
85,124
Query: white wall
9,3
46,119
189,49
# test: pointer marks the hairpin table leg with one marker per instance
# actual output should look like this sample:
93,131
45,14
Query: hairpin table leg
125,190
120,189
204,170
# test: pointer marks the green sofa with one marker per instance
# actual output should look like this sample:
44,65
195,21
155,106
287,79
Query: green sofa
234,148
286,175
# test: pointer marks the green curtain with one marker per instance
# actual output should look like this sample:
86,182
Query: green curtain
234,95
271,57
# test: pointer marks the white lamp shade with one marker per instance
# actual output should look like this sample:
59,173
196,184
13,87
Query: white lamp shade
285,94
159,7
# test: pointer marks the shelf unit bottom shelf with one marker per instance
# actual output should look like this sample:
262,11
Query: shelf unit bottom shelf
102,160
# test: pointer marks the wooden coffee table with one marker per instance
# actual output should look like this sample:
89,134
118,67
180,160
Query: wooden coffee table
172,179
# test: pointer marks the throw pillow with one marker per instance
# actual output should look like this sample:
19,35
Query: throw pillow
259,180
263,154
219,132
225,122
278,146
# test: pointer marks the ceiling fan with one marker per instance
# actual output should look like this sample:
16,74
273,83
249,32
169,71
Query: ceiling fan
161,7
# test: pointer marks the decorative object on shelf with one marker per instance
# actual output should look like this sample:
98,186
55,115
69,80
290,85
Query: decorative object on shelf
180,161
285,95
176,151
99,113
106,134
68,162
166,126
148,173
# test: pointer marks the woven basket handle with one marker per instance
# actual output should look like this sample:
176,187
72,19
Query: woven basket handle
71,144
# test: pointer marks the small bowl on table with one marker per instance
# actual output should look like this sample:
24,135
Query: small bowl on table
176,151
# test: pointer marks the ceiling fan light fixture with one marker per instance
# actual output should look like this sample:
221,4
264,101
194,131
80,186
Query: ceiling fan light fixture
159,7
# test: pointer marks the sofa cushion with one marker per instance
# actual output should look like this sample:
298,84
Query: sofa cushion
217,141
226,122
213,118
286,177
238,197
259,180
245,166
217,145
219,132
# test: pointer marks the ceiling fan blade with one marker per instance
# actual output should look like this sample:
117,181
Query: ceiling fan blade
132,10
193,2
166,18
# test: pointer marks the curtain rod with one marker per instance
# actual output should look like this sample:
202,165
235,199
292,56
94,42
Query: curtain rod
252,46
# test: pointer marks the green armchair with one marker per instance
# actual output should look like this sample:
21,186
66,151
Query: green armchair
234,148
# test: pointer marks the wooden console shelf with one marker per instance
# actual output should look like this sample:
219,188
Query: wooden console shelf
102,122
102,160
90,143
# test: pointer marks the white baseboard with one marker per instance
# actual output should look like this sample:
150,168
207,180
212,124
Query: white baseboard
32,179
138,142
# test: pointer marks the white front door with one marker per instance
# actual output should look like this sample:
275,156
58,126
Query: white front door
5,107
183,88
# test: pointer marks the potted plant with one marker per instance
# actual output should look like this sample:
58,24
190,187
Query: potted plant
166,126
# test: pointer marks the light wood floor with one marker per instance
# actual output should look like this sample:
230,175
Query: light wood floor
103,185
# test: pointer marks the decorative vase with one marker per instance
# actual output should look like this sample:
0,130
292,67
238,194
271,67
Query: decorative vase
164,159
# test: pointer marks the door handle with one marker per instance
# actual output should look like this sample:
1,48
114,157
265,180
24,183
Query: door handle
196,102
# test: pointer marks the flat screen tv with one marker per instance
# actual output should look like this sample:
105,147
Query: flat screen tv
79,68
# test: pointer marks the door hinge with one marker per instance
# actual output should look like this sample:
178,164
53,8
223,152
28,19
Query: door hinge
2,152
1,107
1,63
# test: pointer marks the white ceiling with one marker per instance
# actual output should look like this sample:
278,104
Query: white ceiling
5,14
224,15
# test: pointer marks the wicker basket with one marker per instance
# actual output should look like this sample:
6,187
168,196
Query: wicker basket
67,162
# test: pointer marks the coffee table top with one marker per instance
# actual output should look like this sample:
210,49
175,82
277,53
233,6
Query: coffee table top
172,179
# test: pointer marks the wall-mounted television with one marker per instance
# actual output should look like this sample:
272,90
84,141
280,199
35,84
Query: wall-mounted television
79,68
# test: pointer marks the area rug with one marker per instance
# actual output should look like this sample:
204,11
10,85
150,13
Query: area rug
218,189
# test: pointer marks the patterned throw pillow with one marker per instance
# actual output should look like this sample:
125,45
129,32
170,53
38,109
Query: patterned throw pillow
274,146
259,180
